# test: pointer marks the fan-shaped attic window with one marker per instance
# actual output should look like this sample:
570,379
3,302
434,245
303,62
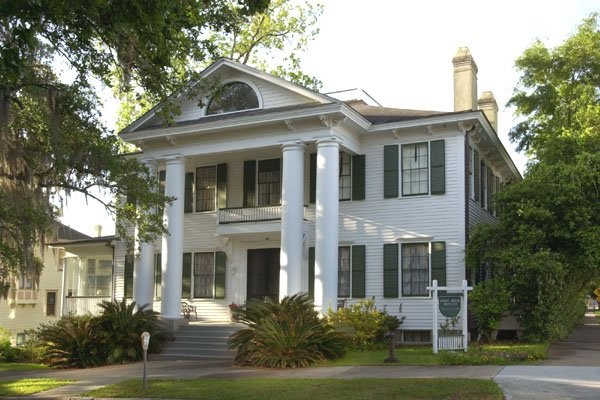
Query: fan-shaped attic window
234,96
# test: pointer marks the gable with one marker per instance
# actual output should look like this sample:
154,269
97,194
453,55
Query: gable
271,92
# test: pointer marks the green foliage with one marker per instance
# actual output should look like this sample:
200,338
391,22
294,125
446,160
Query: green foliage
72,342
489,302
6,353
499,355
121,325
367,323
271,40
112,337
51,140
285,334
545,249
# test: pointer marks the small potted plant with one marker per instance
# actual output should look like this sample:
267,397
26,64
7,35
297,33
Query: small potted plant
234,310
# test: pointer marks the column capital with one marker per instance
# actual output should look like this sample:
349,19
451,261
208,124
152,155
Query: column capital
326,141
295,144
174,159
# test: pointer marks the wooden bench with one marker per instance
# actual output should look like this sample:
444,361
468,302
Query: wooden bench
187,309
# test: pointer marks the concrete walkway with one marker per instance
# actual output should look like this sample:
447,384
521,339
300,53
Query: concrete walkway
572,371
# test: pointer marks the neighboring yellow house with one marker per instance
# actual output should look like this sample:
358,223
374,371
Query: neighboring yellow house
76,266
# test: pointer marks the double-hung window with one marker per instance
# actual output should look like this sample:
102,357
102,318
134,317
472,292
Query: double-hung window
415,269
351,271
206,186
420,167
415,169
269,182
410,267
208,280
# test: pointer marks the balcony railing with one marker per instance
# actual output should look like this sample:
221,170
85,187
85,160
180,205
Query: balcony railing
84,305
249,214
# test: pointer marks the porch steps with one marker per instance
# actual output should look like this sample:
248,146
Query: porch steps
200,342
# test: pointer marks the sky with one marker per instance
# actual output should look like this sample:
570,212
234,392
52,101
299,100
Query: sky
400,52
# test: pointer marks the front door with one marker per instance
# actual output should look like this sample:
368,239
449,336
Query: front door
263,274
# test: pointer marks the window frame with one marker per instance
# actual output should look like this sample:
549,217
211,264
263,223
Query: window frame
404,246
348,272
51,307
345,160
227,94
197,189
426,170
258,186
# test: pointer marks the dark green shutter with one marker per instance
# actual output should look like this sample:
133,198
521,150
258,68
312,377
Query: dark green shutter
221,186
482,175
476,173
358,271
438,167
438,262
313,178
188,201
128,284
311,272
390,270
186,276
358,177
249,183
157,276
220,263
390,171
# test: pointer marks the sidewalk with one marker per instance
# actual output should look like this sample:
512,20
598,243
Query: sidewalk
572,371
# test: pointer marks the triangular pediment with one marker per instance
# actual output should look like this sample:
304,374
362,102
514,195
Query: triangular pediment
272,94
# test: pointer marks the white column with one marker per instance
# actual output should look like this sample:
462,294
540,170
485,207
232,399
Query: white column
326,224
143,271
172,244
292,213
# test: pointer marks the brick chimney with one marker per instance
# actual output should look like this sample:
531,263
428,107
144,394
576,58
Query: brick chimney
487,104
465,80
98,229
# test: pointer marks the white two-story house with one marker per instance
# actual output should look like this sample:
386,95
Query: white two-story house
280,190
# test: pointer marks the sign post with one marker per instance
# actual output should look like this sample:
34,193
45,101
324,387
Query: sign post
145,342
450,305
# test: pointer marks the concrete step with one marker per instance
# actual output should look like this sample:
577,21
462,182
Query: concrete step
200,341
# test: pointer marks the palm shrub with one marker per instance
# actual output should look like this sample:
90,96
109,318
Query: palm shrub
71,342
285,334
121,325
367,324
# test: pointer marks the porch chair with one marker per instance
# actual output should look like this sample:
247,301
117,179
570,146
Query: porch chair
187,309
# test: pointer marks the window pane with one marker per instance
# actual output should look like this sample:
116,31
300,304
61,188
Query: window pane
204,272
344,271
415,269
50,304
206,186
269,182
345,176
235,96
415,169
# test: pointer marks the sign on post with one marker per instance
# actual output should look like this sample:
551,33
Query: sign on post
450,305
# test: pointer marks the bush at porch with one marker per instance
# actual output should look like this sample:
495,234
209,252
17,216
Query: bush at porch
367,324
285,334
112,337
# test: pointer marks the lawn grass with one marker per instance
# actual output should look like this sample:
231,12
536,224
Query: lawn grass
25,387
417,355
296,389
10,366
495,354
